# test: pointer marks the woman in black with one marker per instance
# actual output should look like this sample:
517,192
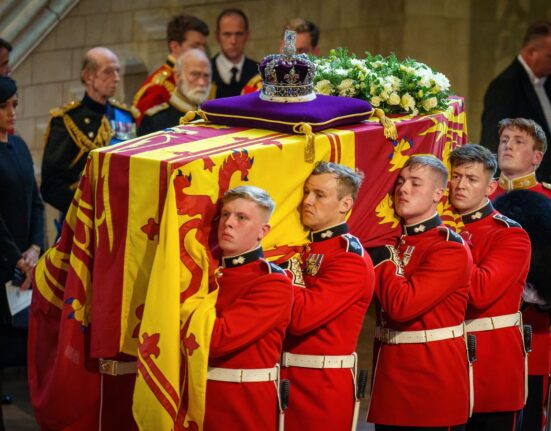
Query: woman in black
21,227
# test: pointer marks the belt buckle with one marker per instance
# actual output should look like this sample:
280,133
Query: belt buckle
108,366
284,359
388,336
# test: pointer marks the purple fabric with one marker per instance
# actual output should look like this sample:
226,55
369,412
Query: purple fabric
298,65
323,109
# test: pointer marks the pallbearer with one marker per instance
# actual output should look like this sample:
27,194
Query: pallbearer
329,309
252,313
421,369
501,259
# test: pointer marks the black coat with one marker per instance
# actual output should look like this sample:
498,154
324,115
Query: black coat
512,95
159,118
21,208
250,69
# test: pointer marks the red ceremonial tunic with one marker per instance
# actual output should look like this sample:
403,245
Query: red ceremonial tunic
422,384
252,312
327,318
156,89
528,182
539,359
501,259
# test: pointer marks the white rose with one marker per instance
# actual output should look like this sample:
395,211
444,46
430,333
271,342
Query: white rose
426,77
429,103
341,72
441,82
324,87
394,99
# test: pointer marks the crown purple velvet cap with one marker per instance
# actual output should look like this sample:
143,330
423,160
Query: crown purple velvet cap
287,100
321,113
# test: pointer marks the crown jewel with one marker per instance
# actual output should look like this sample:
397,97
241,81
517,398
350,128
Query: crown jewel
287,77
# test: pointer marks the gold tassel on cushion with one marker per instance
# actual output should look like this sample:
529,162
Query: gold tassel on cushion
389,127
310,147
189,116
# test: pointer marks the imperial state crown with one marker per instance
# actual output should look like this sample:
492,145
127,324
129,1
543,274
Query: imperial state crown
287,77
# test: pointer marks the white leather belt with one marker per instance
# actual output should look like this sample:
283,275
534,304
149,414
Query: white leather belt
243,375
496,322
116,368
390,336
317,361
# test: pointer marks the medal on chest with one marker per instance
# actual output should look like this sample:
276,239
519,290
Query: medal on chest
123,130
313,264
296,271
406,256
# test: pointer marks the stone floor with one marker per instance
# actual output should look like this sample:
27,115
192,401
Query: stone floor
19,416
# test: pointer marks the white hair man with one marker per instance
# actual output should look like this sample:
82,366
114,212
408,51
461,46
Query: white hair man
192,72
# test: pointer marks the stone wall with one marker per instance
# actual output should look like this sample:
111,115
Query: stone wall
470,41
135,31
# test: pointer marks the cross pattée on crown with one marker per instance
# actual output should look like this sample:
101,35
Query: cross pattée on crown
290,43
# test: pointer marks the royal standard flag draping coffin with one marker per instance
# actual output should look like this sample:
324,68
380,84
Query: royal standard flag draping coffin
63,379
271,161
173,347
102,271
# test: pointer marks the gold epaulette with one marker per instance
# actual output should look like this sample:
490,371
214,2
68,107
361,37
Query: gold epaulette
155,109
120,105
169,86
161,76
58,112
546,185
83,143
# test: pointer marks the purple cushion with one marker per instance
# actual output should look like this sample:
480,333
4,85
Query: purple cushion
321,113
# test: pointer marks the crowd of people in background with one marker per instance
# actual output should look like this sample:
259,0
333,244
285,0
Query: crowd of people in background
434,289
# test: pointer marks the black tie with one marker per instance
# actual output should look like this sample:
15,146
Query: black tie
233,79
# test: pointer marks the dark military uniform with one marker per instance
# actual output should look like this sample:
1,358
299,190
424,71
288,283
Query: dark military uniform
165,115
75,130
244,85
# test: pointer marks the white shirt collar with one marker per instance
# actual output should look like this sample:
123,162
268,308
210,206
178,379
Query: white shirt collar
533,78
224,66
